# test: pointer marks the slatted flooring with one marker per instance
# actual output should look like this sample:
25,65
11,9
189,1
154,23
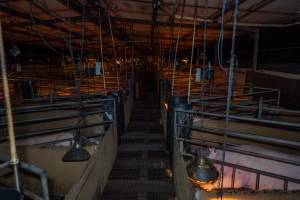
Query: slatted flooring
141,169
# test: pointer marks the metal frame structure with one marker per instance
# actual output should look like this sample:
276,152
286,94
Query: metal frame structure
98,102
182,116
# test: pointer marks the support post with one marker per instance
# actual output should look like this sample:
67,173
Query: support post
10,123
255,50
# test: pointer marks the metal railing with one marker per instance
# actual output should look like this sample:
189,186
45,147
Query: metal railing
95,105
91,107
184,125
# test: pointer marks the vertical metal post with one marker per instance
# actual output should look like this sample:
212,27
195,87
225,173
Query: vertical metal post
278,98
10,124
260,107
175,133
255,50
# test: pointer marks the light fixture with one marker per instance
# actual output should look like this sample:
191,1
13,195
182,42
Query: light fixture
166,106
185,60
118,62
77,153
201,171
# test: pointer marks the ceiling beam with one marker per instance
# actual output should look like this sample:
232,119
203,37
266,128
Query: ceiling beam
216,15
255,7
36,20
229,7
92,15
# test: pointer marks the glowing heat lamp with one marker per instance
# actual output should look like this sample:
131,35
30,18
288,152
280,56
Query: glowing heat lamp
201,172
185,60
118,62
166,106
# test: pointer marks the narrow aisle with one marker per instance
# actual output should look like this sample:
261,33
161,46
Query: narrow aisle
141,169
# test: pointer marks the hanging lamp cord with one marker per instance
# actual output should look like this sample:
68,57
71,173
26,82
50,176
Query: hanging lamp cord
114,51
192,53
101,52
229,91
176,48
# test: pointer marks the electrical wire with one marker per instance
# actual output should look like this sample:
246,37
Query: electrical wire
229,90
204,48
39,33
221,37
114,51
192,53
101,51
176,48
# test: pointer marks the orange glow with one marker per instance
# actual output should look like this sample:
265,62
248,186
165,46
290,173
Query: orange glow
166,106
169,172
207,186
224,198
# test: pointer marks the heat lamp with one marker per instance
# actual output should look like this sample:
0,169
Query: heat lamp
77,153
201,171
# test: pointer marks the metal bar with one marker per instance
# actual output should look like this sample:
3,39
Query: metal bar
282,124
256,6
217,145
255,50
256,171
55,130
44,120
257,181
285,186
63,108
58,104
260,107
233,177
39,172
69,98
248,136
5,164
69,139
9,117
224,97
264,173
249,105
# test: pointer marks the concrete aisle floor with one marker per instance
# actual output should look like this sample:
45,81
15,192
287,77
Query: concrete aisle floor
141,171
